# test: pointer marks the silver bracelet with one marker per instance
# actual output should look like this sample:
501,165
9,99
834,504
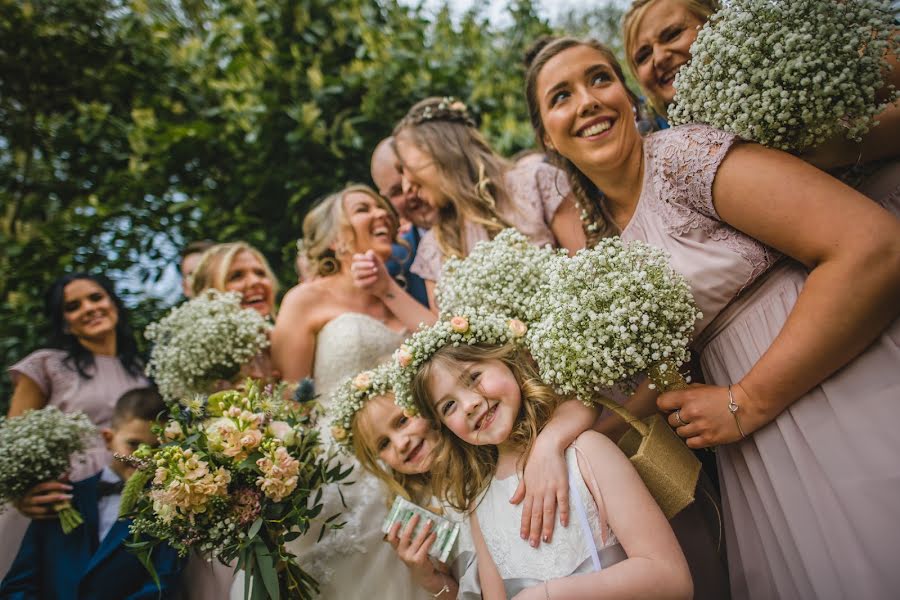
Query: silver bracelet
444,589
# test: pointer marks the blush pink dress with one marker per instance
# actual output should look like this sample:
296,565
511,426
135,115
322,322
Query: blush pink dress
536,189
65,389
811,500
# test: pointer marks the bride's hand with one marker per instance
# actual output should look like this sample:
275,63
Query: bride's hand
370,274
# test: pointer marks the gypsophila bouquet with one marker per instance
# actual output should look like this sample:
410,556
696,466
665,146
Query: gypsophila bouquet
611,313
789,75
205,340
239,474
38,446
502,275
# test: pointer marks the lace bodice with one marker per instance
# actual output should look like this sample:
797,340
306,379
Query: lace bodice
676,212
568,551
348,344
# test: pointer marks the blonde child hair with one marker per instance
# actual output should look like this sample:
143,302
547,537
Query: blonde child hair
416,487
466,470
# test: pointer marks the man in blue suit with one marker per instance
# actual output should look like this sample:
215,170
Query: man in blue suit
418,213
92,562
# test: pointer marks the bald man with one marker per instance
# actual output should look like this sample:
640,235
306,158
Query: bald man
388,181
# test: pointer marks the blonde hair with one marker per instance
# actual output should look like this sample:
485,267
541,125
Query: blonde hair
325,222
471,174
212,270
415,487
466,470
587,196
631,22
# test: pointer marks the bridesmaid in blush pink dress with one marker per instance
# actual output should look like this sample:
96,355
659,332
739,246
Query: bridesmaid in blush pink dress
798,278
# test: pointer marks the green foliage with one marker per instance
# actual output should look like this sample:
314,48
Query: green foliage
130,126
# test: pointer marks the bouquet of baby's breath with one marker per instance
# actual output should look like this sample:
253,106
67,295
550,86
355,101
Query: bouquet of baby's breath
38,446
239,474
502,276
788,74
609,314
204,340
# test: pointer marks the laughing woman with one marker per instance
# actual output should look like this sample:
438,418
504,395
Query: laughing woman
91,361
798,279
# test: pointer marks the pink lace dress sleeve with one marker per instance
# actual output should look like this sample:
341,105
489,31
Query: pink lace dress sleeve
429,258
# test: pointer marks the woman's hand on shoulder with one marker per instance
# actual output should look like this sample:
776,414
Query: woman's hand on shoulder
38,502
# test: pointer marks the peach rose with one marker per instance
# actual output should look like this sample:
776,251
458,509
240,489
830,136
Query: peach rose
404,356
517,328
459,324
362,381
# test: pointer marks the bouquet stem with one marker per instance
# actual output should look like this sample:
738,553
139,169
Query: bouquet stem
69,518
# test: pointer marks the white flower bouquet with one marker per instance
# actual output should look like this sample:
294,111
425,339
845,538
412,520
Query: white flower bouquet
236,477
609,314
37,446
789,75
502,276
205,340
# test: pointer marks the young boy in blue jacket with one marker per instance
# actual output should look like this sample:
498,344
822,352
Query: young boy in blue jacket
92,562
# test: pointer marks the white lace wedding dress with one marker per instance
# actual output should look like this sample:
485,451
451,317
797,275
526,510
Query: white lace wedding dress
353,562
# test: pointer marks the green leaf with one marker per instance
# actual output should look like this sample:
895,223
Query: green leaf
254,529
267,570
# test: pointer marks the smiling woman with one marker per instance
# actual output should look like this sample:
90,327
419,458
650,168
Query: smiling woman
238,267
92,360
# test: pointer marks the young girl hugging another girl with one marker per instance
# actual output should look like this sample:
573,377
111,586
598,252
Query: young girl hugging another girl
472,374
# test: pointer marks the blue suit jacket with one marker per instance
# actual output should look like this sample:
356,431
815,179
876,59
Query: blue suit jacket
54,566
402,260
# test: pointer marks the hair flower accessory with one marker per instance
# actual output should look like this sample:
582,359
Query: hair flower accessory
352,395
464,326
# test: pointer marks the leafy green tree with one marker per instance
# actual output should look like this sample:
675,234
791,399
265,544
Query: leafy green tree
130,126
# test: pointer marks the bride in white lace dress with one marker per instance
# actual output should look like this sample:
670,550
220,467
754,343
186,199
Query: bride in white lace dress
349,319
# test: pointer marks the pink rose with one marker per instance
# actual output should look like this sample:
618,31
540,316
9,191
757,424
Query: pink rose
517,328
459,324
404,356
362,381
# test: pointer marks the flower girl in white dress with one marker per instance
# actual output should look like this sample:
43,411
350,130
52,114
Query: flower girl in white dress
620,544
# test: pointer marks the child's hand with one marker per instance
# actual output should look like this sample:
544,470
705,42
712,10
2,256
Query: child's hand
413,551
544,485
38,502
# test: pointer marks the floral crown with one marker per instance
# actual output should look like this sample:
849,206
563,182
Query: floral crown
466,326
352,395
449,109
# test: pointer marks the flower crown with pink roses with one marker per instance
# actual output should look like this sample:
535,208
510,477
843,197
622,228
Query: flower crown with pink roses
466,326
353,394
